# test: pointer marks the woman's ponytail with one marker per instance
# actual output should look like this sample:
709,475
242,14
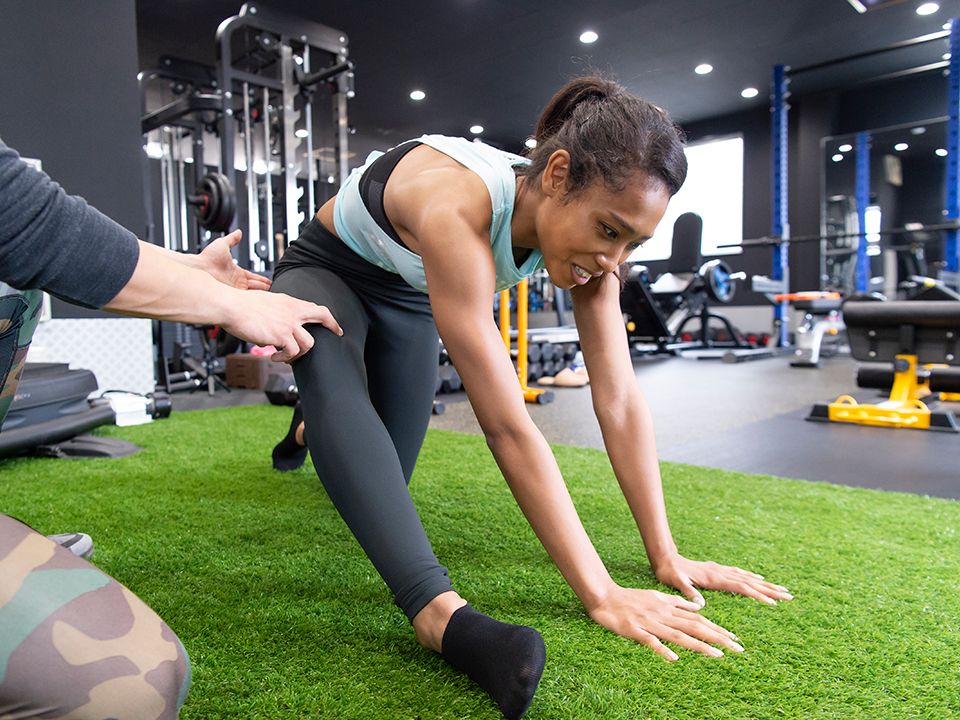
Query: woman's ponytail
610,135
565,102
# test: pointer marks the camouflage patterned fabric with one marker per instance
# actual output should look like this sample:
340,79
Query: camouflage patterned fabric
19,312
77,645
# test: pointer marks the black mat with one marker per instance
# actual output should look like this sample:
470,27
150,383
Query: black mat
789,446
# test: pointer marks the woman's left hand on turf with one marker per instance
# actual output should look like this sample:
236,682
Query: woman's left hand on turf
688,575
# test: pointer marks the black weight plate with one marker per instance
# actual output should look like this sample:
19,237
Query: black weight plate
220,202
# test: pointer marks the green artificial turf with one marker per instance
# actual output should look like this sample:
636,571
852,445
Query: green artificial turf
284,617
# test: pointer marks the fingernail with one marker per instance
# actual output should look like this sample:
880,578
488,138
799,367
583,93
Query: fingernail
786,596
770,601
673,657
736,647
714,652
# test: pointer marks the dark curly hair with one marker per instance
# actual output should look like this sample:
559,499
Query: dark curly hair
611,136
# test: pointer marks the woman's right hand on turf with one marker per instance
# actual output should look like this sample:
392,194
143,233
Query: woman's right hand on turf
653,618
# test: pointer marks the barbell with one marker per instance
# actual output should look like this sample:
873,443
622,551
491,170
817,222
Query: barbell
779,239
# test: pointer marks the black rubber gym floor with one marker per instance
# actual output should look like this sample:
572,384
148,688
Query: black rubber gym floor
788,445
750,417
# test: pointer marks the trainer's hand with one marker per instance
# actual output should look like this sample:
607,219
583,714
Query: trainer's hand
265,318
216,261
652,618
688,575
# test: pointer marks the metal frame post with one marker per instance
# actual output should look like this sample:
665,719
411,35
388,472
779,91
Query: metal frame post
779,213
292,164
863,200
951,273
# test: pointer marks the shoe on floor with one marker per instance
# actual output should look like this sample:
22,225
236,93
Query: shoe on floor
80,544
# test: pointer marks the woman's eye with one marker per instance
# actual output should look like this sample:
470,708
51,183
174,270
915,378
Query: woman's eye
611,233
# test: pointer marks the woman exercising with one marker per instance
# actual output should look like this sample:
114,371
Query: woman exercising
418,241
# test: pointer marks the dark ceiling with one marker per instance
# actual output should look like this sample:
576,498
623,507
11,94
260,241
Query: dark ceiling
497,62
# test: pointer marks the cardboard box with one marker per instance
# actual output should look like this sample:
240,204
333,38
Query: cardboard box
253,371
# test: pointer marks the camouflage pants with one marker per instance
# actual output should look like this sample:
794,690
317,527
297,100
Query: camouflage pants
74,643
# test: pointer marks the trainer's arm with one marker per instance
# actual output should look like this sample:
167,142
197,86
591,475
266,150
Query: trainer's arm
217,260
165,289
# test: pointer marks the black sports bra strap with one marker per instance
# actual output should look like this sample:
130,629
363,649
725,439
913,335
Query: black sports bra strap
373,182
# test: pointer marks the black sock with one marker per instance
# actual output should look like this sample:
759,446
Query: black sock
288,455
505,660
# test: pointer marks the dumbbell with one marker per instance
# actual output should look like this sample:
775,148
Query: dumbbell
449,378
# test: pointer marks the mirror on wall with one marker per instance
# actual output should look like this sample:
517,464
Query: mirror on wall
907,190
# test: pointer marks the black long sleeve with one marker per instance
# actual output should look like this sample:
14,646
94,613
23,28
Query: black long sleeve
57,242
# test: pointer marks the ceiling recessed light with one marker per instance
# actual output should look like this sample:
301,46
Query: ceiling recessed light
417,95
301,133
749,92
531,143
900,147
589,36
837,158
928,8
476,129
845,148
919,130
941,152
703,69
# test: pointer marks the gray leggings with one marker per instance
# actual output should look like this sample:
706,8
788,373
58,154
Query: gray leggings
367,399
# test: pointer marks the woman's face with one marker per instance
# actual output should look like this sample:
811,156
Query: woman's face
593,233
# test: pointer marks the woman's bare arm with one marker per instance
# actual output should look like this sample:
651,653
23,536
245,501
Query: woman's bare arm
628,434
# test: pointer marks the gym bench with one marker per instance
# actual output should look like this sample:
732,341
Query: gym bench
921,339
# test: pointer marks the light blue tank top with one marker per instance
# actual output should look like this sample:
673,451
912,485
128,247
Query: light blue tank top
357,228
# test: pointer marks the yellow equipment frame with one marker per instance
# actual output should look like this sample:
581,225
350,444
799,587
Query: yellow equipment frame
531,395
903,409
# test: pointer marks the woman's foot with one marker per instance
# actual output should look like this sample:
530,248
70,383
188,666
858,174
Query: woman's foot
505,660
291,452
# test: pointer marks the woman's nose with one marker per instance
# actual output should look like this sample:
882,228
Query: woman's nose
607,262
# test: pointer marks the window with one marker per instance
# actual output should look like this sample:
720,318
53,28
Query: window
714,190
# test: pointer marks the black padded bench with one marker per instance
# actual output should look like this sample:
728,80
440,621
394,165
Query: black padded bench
908,335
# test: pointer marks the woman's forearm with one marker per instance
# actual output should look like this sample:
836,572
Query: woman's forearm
628,435
531,471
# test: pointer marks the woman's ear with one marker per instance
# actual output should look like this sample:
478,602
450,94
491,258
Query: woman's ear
555,174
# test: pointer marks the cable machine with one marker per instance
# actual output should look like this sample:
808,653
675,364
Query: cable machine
252,128
256,143
271,68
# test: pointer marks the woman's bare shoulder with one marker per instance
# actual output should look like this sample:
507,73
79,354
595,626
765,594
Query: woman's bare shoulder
426,182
